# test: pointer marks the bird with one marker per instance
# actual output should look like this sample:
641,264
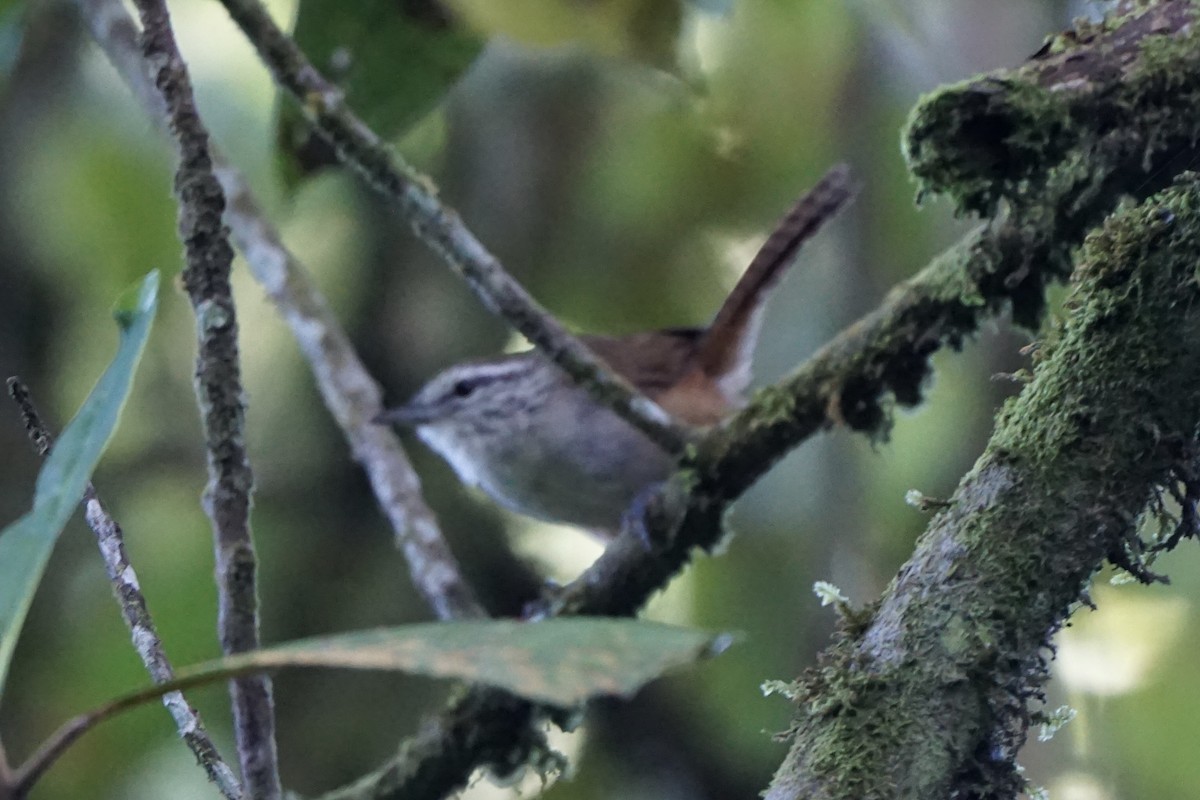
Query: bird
517,427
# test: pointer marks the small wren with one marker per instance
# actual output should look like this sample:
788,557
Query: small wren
518,428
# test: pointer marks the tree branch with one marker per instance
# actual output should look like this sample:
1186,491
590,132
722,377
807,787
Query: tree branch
480,726
354,400
1099,99
884,357
219,393
136,614
351,395
931,698
359,147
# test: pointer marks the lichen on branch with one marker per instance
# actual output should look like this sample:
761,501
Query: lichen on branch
934,694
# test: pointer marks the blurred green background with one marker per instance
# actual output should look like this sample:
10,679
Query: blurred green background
623,158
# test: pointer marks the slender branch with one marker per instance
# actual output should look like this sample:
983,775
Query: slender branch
349,392
135,612
70,731
354,399
219,392
117,33
145,640
441,228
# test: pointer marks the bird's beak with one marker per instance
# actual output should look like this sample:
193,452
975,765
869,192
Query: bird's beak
408,416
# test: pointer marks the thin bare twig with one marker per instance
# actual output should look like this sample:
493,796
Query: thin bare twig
349,392
70,731
440,227
135,612
354,399
219,392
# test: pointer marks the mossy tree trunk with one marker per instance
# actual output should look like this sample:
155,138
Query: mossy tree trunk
931,693
930,697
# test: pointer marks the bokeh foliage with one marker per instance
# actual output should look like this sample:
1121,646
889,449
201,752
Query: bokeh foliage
624,175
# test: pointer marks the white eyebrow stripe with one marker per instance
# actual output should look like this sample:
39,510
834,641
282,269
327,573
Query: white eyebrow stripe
479,374
487,372
502,369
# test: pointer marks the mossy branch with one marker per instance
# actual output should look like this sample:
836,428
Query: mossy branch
1062,191
1115,98
932,698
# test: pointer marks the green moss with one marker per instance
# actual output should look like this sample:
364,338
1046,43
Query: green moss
933,696
1096,101
980,140
772,404
1046,418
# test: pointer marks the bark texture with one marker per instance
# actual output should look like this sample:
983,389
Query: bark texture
930,696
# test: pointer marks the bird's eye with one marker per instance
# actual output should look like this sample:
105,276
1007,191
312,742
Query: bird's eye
463,388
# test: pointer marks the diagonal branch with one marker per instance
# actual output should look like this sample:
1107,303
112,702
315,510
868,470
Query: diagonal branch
354,400
440,227
884,354
349,392
219,392
137,617
884,357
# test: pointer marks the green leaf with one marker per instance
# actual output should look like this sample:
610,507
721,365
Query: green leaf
26,544
557,661
395,62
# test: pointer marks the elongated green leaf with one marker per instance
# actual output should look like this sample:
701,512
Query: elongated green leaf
557,661
25,545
